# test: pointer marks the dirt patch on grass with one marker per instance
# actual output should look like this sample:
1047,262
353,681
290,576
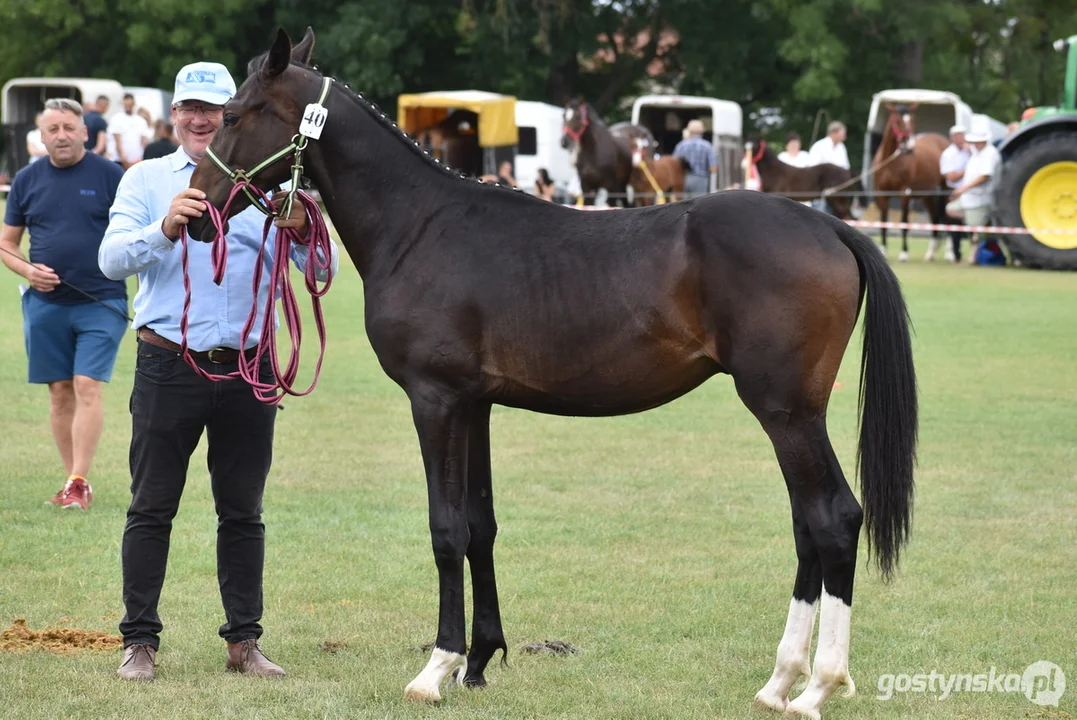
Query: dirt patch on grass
19,638
551,647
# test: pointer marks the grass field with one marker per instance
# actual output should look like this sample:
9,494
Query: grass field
659,544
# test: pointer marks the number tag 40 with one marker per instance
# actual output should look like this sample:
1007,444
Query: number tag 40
313,121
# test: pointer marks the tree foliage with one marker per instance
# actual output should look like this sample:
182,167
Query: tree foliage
789,62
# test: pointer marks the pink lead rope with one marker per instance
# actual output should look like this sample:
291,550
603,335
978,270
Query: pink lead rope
320,258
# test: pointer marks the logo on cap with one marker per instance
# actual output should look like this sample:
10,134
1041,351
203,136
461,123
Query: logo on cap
201,76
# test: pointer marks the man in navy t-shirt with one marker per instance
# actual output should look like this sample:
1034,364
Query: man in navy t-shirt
97,126
73,316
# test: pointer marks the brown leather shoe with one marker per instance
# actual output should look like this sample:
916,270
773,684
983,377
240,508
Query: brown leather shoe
138,663
247,658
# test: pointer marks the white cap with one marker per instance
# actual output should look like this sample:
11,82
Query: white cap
979,129
957,129
206,81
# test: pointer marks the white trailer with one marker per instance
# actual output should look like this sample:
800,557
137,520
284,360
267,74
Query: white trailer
667,115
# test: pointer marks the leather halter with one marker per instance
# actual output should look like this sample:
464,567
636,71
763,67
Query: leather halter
295,148
585,122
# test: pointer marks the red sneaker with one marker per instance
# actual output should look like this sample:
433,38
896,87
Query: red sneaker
58,499
78,494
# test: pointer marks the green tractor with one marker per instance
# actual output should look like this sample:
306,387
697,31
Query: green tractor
1038,184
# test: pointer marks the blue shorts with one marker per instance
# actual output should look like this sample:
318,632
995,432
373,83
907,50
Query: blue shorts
67,340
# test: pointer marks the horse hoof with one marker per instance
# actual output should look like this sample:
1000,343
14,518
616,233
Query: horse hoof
416,693
772,703
903,257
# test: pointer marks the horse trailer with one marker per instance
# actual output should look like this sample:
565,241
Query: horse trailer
666,116
24,98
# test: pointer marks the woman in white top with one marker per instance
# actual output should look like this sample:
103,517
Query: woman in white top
793,155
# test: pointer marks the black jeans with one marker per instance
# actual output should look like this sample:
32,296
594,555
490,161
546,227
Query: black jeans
170,407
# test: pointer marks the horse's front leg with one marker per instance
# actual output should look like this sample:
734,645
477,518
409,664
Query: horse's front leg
883,204
904,256
442,423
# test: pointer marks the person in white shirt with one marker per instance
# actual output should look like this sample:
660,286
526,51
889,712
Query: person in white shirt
34,146
130,133
972,199
952,166
831,149
793,155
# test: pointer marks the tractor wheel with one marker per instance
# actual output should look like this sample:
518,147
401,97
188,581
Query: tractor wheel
1038,189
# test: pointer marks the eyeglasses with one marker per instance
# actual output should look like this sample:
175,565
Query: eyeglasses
189,111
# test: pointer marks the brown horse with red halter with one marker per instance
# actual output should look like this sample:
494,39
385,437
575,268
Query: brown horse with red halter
776,176
906,161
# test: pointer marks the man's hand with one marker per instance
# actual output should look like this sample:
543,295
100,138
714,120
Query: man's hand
188,204
41,277
296,220
957,193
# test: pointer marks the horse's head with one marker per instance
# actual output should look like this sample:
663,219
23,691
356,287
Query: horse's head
262,119
640,150
576,121
902,121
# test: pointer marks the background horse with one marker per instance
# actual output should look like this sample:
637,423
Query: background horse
454,141
477,294
667,172
779,177
906,161
603,155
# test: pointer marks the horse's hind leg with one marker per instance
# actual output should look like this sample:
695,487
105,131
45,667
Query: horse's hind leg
487,636
826,526
791,406
793,661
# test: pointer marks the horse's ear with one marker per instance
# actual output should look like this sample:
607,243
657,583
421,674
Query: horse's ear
305,49
280,56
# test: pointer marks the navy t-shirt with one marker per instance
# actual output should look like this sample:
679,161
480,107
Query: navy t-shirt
66,213
95,123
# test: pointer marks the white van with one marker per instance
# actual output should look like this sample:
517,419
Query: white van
667,115
936,112
539,145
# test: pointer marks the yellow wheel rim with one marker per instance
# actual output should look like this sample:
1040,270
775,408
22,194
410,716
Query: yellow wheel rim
1049,202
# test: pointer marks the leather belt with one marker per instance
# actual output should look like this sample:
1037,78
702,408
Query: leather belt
217,355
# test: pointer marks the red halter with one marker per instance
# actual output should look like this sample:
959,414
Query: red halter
899,135
759,155
584,123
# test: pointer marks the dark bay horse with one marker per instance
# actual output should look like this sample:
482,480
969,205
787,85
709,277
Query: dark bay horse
779,177
479,294
907,161
603,154
667,172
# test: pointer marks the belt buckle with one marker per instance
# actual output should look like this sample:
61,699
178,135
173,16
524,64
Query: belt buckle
218,350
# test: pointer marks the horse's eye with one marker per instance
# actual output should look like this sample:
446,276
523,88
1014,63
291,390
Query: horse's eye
231,119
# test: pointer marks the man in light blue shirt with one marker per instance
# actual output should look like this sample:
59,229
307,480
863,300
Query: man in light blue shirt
170,404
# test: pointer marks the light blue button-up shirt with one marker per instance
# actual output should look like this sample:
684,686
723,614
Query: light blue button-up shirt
134,243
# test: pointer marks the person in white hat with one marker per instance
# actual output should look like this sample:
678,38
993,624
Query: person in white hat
973,198
171,405
952,166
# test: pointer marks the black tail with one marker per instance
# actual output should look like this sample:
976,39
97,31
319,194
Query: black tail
886,454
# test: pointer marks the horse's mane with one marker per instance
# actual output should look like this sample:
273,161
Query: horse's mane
412,143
